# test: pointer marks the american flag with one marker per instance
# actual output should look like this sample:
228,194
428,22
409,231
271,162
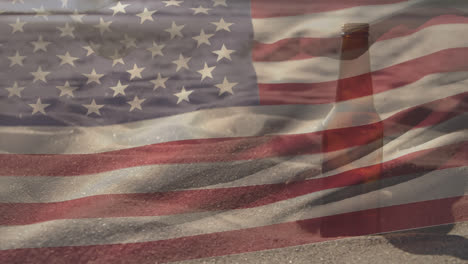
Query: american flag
159,131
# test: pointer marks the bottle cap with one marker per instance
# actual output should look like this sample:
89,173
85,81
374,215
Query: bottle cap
351,28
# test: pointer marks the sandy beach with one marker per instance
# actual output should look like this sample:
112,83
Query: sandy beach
439,244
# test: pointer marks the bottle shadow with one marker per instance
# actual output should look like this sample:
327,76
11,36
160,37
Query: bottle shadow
431,241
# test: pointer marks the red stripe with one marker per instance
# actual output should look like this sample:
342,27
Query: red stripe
450,60
227,149
393,218
165,203
277,8
306,48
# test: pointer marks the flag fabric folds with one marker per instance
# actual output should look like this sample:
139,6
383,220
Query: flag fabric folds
158,131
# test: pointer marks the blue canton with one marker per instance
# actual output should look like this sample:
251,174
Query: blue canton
93,63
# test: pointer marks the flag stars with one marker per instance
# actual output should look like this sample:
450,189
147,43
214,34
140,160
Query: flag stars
40,44
200,10
16,60
67,30
39,107
156,49
206,72
223,53
181,62
222,25
66,89
119,89
91,48
67,59
41,12
172,3
203,38
15,90
40,75
118,8
77,17
146,15
129,42
219,3
183,95
103,26
175,30
135,72
93,77
117,58
159,82
93,108
225,87
135,103
18,26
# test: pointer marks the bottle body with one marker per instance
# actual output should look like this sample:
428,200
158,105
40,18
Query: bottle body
352,141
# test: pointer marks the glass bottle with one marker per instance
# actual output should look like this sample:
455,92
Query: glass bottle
353,136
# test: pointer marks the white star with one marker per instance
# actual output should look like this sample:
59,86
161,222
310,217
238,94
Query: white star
206,71
203,38
200,10
16,60
119,89
223,53
156,49
181,62
225,87
40,75
77,17
103,26
39,107
66,31
135,103
67,59
146,15
93,77
219,2
173,3
135,72
183,95
117,58
118,8
41,12
93,108
159,82
175,30
128,42
15,90
64,3
91,48
40,44
66,89
18,26
222,25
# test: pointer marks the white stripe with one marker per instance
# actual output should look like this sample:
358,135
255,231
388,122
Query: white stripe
383,54
161,178
218,123
449,182
325,24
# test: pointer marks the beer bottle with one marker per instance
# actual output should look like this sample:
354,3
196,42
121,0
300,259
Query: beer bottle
353,131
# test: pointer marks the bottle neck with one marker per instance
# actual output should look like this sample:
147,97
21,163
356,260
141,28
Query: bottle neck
355,73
